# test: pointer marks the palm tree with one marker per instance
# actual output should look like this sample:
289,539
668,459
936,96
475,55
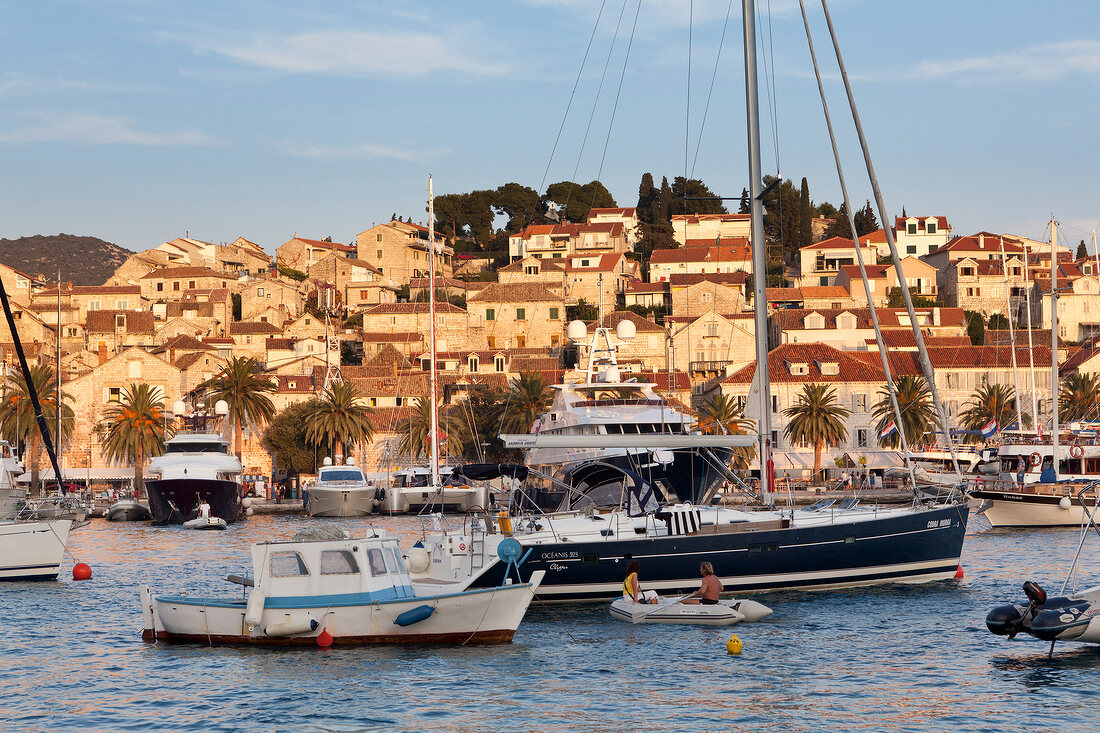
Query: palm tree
817,419
918,414
720,415
17,418
242,384
1079,397
133,430
529,396
339,418
995,402
416,430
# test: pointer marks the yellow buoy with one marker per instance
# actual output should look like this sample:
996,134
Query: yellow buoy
733,646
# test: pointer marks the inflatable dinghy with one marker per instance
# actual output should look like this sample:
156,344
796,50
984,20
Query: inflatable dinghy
669,611
206,523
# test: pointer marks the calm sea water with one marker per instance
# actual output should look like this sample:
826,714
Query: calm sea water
888,658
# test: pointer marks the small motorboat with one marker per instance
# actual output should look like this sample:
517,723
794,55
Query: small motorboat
128,510
672,611
323,587
206,523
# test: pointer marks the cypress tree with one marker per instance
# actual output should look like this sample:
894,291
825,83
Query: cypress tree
805,216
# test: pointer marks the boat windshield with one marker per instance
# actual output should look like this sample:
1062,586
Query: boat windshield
196,447
341,474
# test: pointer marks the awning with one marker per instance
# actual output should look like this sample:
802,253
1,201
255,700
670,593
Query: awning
874,459
109,473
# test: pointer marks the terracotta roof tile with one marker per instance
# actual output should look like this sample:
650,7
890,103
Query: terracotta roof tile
252,328
514,293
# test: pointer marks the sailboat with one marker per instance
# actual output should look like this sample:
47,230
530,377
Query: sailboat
32,549
1040,482
828,545
421,488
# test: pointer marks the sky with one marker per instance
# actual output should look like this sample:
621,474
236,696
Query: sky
138,121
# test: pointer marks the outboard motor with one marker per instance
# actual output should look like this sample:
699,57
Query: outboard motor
1012,619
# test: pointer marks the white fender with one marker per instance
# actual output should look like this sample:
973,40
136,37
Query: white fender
292,628
254,611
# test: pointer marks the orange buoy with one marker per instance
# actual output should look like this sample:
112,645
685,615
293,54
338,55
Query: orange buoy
324,639
82,571
959,573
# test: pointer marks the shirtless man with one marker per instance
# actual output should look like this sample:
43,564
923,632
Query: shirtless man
711,588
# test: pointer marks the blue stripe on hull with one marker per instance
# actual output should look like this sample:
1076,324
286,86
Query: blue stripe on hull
836,554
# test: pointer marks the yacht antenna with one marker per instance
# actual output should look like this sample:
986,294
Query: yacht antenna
759,252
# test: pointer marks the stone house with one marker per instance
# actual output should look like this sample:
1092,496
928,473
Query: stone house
299,253
708,345
399,250
453,327
178,327
920,276
249,338
136,266
111,331
418,288
664,264
709,228
852,329
639,355
598,279
84,298
170,283
559,241
703,293
19,285
549,273
518,315
920,235
647,295
259,295
981,285
626,216
821,262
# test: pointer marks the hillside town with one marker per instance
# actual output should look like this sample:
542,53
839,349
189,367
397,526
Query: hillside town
170,316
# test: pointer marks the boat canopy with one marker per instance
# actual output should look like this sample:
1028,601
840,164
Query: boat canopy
489,471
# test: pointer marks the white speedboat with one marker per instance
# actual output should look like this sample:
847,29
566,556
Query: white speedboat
335,589
341,491
668,611
32,550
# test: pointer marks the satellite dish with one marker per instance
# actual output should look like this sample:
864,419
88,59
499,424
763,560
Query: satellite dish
509,550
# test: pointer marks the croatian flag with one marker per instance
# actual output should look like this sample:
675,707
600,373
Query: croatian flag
888,431
989,429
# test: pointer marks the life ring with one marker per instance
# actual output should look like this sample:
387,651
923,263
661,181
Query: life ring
1076,451
1036,459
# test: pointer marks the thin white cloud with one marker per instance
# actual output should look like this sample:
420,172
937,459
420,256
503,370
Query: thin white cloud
15,84
1037,63
93,129
365,53
358,150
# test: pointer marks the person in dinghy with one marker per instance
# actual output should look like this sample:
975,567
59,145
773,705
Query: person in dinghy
711,588
632,590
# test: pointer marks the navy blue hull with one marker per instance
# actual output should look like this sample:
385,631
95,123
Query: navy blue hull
925,545
175,501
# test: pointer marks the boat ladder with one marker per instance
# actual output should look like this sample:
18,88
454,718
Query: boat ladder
477,547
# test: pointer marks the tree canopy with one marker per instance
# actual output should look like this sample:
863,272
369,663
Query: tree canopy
574,201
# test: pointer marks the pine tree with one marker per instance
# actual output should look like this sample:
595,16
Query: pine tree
744,208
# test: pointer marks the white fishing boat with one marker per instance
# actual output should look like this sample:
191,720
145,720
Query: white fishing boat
32,550
325,587
341,491
726,612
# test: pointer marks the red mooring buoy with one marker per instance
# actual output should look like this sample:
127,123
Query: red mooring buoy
959,573
82,571
324,639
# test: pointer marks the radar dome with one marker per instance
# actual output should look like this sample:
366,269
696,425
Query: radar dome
576,331
626,330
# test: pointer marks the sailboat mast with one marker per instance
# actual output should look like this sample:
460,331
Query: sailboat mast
431,334
1054,343
1011,336
57,362
759,252
1030,342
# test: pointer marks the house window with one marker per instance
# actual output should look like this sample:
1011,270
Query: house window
378,237
823,281
584,263
472,364
22,282
120,321
861,438
521,341
498,363
911,249
712,330
775,403
260,292
911,229
263,319
490,314
555,340
176,286
861,403
114,394
363,294
374,402
191,284
135,369
399,401
492,341
379,251
93,305
160,287
122,305
553,314
930,228
521,314
705,297
775,439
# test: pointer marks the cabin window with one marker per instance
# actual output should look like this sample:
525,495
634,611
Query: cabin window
393,563
338,562
287,565
376,562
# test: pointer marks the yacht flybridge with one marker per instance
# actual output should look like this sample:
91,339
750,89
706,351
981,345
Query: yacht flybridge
645,430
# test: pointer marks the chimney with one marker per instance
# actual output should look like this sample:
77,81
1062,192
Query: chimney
102,352
172,356
935,316
981,241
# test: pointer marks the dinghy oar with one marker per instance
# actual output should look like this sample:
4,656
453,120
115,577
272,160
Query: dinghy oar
636,617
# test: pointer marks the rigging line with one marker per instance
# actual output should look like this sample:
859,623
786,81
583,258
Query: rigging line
595,104
774,98
710,92
573,93
618,92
